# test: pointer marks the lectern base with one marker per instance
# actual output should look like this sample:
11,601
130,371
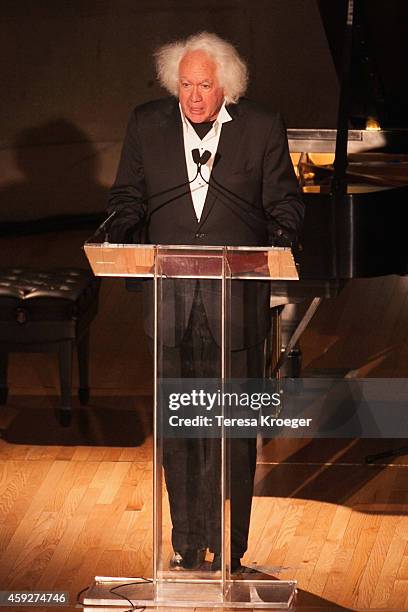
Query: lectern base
252,594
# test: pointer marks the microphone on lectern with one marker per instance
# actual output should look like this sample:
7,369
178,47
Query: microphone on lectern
200,160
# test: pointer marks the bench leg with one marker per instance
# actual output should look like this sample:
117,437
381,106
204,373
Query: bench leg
3,378
83,361
65,371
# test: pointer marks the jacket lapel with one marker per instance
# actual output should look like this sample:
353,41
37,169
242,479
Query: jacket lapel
224,159
174,160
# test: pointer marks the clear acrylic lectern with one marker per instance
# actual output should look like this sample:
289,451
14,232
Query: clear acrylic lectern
193,455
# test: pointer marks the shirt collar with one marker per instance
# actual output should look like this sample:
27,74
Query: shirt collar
222,117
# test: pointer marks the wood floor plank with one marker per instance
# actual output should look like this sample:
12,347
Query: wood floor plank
265,527
82,453
319,560
293,559
372,571
13,478
59,498
29,564
346,562
398,596
34,510
102,475
66,539
49,529
389,570
93,541
95,547
13,452
114,482
141,493
16,508
141,540
86,544
127,522
43,453
308,519
281,545
357,588
403,569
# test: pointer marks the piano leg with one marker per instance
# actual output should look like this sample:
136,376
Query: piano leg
283,321
274,342
290,317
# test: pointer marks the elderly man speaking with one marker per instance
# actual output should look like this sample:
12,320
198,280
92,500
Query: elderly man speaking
247,194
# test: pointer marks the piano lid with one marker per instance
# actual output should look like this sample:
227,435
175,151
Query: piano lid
378,61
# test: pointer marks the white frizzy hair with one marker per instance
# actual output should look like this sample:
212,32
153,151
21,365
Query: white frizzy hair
232,71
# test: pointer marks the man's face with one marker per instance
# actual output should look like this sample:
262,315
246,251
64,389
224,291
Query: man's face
200,94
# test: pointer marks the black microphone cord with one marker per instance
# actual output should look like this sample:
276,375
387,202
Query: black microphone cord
166,202
200,160
179,195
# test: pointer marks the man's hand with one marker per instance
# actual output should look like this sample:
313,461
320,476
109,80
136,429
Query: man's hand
282,237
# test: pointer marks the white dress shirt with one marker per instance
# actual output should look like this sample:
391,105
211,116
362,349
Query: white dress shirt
209,143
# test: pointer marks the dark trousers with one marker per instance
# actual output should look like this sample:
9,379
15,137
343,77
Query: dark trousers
192,467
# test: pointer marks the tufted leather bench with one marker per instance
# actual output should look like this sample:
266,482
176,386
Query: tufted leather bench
48,310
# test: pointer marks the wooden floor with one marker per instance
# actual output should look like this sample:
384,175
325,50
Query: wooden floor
75,502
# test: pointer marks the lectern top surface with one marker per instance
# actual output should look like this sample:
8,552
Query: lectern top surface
192,261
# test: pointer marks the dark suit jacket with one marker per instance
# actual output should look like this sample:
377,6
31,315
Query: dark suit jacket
253,191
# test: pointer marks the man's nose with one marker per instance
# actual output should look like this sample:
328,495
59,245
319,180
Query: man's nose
195,95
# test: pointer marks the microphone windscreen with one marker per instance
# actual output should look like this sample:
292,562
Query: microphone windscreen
196,156
205,157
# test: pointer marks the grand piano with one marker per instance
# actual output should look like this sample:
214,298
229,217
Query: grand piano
354,178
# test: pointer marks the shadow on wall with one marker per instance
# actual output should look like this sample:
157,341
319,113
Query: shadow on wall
52,171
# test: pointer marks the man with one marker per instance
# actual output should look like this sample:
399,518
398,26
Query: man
246,194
